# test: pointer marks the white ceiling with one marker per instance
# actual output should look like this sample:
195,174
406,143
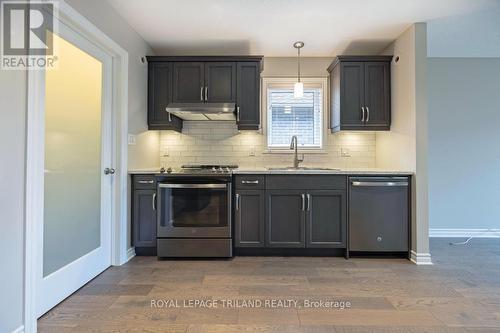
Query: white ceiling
269,27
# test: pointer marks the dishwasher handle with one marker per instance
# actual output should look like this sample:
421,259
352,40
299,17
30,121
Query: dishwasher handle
379,184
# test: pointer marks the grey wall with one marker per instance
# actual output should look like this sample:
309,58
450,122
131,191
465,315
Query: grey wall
145,153
475,34
12,166
464,142
13,92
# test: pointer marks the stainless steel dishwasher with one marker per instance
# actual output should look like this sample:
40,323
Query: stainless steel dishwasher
379,214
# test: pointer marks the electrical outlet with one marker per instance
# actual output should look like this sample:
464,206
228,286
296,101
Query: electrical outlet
131,139
252,151
345,152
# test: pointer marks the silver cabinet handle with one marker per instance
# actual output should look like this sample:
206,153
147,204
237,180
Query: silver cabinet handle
380,184
169,116
154,201
183,185
249,181
303,196
109,171
367,114
201,93
206,93
146,181
362,114
308,202
237,202
238,114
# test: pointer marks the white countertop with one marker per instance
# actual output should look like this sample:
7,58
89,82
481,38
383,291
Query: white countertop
265,171
144,171
347,171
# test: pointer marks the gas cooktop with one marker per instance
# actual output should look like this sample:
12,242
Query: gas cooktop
201,169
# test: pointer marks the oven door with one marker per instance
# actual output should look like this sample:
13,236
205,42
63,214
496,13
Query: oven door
194,210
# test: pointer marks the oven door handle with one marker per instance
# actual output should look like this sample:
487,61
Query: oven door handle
192,185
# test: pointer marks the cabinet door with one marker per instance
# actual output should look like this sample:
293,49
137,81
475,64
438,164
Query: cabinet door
326,222
352,95
249,218
159,96
144,218
188,82
248,95
377,95
285,222
220,82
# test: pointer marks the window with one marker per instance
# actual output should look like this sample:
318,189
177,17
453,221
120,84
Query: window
288,116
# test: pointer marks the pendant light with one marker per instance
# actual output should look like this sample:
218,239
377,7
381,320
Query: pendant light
298,88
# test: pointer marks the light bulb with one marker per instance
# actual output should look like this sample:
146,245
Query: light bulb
298,90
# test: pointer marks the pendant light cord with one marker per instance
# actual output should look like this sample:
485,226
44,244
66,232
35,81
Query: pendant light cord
298,62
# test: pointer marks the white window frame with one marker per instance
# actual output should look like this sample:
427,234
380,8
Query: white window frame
288,82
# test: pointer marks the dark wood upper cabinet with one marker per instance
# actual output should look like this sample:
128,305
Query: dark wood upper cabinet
248,95
377,94
204,79
159,96
220,82
188,82
360,93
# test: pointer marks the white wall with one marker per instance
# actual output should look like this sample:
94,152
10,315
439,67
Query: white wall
464,143
405,146
12,169
145,153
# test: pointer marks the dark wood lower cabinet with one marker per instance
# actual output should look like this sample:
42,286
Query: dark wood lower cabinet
144,218
249,218
326,218
285,210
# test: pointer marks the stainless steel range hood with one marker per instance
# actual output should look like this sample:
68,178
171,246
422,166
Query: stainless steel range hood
203,111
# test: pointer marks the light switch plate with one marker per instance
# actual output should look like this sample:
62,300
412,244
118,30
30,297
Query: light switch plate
252,151
131,139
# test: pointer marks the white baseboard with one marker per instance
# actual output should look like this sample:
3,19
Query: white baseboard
477,233
130,253
20,329
421,258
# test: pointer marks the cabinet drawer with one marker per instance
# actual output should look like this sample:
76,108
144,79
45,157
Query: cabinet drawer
249,182
309,182
144,182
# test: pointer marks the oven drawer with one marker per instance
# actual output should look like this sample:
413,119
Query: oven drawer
175,248
249,182
144,182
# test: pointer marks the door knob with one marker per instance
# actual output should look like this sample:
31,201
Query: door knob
109,171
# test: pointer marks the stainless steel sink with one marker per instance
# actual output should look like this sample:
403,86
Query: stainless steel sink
301,168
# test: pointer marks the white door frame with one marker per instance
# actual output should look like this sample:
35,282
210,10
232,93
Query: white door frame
35,158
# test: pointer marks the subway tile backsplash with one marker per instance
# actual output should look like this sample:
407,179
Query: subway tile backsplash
207,142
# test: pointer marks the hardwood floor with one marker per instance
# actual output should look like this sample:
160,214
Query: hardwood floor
460,293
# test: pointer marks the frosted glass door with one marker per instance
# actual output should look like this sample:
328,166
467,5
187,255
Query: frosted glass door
73,163
74,240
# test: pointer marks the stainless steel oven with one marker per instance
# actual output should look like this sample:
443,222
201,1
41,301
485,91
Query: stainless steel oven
194,217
